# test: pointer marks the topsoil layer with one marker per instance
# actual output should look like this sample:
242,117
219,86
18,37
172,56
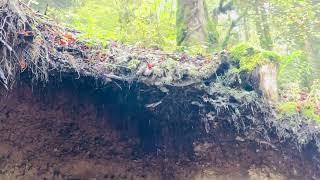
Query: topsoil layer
59,133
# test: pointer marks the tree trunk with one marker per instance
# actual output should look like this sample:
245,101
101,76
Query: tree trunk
312,46
266,76
193,24
246,28
262,25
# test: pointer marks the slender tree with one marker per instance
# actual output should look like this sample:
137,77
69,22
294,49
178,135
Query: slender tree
262,25
194,27
313,43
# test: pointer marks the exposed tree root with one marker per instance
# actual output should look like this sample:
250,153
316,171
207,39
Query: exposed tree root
175,102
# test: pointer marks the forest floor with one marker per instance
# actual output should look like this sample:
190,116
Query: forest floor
59,137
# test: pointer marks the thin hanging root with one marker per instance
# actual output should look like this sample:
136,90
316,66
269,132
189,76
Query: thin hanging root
20,26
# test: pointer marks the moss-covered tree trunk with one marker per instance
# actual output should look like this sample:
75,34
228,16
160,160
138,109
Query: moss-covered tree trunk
194,27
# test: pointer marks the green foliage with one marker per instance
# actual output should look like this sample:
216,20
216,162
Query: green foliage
300,100
250,57
288,107
213,33
150,23
296,19
314,101
295,68
307,110
41,5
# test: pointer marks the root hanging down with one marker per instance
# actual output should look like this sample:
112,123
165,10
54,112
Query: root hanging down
23,42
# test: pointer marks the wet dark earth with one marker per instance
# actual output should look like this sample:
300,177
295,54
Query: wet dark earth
58,133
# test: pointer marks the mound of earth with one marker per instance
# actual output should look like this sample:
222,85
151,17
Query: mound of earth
72,111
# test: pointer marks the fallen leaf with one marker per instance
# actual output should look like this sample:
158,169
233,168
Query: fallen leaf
150,66
299,108
63,42
184,57
23,64
69,35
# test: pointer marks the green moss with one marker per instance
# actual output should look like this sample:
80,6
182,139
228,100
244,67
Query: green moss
250,57
307,110
310,114
288,107
239,51
133,64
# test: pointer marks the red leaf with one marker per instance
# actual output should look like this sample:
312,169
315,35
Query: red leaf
63,42
150,66
23,64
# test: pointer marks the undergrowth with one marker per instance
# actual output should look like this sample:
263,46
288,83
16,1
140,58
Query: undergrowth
297,95
301,101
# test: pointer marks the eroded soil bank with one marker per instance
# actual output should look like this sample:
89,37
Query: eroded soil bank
62,132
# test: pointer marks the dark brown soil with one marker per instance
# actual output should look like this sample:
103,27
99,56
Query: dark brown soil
61,135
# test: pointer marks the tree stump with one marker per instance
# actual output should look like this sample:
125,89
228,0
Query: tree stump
265,77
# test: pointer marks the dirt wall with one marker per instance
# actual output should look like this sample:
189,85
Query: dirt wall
65,132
